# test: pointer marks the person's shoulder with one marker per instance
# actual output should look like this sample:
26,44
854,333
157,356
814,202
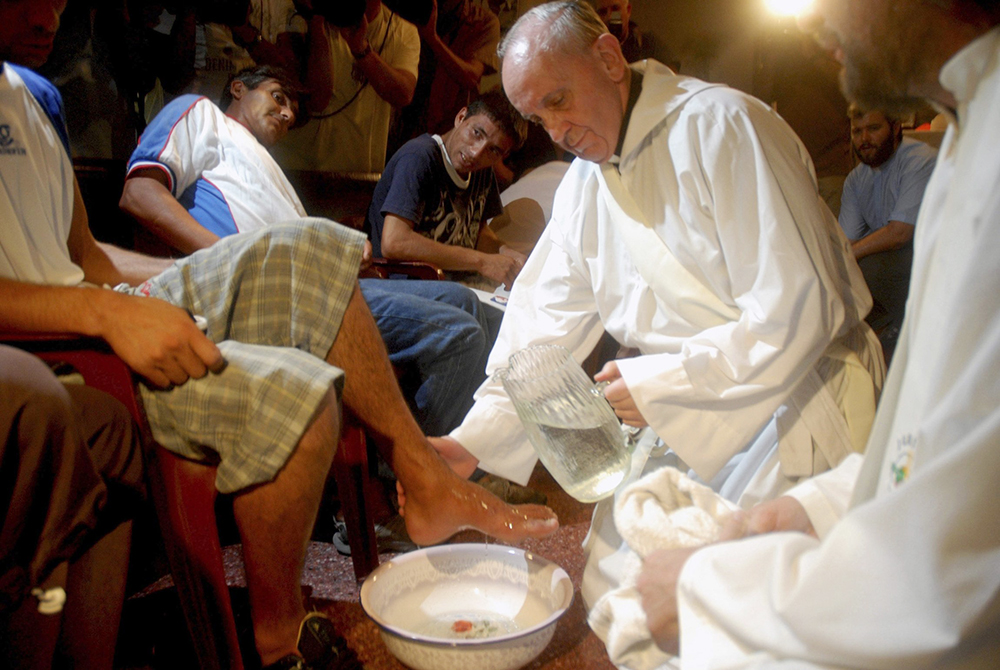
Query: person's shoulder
193,109
421,150
46,95
915,154
186,104
414,161
397,25
41,88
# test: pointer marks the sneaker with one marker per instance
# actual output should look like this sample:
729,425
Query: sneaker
391,537
290,662
509,492
320,646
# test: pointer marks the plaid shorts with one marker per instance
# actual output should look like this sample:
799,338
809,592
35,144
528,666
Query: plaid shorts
274,300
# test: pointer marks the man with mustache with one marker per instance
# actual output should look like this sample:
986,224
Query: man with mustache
878,209
891,559
288,339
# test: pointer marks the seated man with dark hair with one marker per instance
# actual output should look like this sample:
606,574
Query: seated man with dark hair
437,194
879,209
199,174
258,394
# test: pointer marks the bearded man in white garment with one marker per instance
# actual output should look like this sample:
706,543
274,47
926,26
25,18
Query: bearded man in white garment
897,562
689,228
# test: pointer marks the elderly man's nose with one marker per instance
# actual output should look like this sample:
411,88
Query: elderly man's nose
555,128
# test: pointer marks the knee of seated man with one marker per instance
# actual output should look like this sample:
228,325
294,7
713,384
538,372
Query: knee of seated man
113,438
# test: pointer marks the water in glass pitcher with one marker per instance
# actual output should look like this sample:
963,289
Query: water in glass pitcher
589,462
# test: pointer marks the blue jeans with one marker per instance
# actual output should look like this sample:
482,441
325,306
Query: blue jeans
439,335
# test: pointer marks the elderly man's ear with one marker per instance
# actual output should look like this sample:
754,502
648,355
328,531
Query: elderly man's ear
610,52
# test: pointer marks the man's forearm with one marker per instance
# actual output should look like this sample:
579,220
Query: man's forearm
393,85
55,309
890,237
466,73
319,66
416,247
152,205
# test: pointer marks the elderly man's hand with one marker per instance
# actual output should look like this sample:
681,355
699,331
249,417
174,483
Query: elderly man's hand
657,586
619,396
781,514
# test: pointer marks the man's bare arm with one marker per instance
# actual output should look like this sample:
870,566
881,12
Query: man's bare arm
401,242
319,66
105,263
156,339
148,199
466,73
394,85
892,236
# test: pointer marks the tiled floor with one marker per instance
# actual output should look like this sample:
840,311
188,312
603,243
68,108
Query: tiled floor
330,579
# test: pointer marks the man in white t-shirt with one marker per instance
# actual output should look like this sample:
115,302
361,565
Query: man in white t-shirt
258,394
373,71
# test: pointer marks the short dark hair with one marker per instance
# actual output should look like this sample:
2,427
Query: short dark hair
254,76
495,106
856,111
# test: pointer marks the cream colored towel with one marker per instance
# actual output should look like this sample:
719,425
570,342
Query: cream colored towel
663,510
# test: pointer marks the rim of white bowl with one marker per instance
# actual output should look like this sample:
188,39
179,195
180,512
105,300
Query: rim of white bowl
366,586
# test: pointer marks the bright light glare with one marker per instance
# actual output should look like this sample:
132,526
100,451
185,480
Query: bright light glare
787,7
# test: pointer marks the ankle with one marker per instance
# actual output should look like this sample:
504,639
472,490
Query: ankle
275,642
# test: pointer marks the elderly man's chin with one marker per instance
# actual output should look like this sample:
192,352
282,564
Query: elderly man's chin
595,153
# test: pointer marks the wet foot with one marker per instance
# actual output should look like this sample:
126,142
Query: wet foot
441,504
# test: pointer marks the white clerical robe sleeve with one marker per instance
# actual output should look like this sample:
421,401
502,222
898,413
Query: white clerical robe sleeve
898,582
827,496
756,230
550,303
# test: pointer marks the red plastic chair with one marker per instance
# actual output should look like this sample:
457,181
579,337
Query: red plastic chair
184,495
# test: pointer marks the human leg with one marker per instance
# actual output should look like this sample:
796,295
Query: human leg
433,329
438,502
888,277
276,520
72,465
285,299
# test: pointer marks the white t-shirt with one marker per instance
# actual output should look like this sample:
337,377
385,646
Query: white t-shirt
217,169
350,135
36,201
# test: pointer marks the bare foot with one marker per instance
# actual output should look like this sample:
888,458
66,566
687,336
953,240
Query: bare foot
455,455
438,503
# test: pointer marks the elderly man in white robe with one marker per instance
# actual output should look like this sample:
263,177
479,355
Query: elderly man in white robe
689,228
905,571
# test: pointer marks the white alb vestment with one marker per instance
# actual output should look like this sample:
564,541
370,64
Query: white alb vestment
910,576
756,295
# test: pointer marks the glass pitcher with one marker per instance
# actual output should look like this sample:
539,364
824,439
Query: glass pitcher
569,422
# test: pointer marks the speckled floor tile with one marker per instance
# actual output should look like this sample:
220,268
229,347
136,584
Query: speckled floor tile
328,580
